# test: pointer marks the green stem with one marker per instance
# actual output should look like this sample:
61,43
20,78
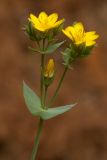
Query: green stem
42,72
43,44
43,97
58,87
42,78
37,139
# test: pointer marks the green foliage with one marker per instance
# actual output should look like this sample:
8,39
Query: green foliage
53,112
52,48
33,50
34,105
58,29
52,33
31,99
33,34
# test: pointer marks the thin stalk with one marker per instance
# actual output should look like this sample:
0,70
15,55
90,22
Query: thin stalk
43,44
42,78
37,139
43,97
58,87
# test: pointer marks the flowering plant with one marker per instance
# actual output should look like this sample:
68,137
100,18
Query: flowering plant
43,30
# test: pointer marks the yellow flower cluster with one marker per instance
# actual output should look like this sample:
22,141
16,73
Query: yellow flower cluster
44,22
78,36
75,32
49,69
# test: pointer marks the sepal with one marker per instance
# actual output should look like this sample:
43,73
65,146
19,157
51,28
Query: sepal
69,55
85,50
48,81
33,33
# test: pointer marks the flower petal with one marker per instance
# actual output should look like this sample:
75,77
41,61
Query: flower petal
91,35
79,28
90,43
53,18
33,19
59,22
67,34
42,17
39,27
70,32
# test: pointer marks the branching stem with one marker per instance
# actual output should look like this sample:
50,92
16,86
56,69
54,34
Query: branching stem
58,87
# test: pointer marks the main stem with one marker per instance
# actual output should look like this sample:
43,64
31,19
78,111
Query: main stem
37,139
43,92
58,87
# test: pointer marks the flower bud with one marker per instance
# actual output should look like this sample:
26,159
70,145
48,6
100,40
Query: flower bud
49,69
49,72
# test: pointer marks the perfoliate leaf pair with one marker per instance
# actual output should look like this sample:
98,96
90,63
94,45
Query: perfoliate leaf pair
34,105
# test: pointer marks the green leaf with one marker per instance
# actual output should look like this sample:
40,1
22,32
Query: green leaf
32,100
34,105
53,112
52,48
33,50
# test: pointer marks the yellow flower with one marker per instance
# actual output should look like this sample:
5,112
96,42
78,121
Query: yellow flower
77,34
49,69
44,22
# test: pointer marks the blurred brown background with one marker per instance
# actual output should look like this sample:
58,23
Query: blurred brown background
80,134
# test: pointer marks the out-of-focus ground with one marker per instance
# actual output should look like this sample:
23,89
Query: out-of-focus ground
80,134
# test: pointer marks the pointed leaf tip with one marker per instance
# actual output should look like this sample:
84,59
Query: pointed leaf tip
53,112
31,99
52,48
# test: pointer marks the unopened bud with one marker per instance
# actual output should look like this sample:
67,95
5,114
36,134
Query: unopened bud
49,69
